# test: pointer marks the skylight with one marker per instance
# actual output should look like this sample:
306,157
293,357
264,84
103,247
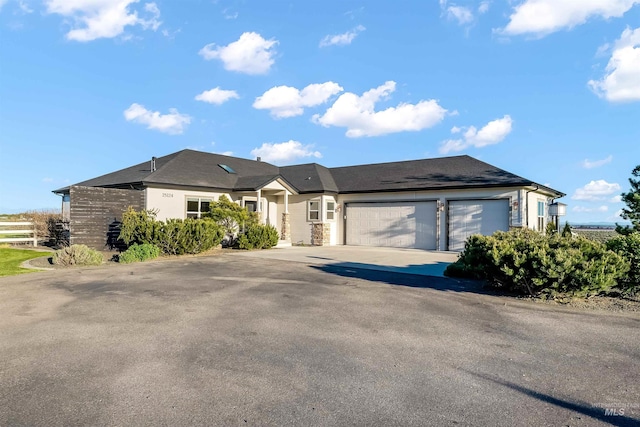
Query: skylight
228,169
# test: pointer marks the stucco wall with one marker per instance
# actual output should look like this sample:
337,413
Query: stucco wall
534,197
171,203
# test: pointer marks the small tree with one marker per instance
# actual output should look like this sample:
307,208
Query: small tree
632,200
231,216
566,230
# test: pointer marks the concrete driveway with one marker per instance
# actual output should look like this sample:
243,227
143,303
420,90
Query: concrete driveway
233,340
409,261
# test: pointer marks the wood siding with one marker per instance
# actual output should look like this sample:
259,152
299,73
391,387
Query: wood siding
95,210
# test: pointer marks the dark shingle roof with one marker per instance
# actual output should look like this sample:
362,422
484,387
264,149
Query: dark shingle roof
426,174
310,178
199,169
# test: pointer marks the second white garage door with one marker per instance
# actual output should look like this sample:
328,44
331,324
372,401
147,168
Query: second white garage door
392,224
467,217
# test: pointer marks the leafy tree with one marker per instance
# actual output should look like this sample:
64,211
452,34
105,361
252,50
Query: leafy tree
231,216
566,230
632,200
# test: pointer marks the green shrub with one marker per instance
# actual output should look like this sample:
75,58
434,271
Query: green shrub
174,236
259,237
137,253
139,227
528,262
628,247
77,255
189,236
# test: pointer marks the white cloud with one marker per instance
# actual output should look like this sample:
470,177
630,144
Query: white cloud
95,19
173,123
616,199
24,7
227,153
217,96
484,7
284,152
596,190
341,39
358,115
250,54
47,179
583,209
616,216
588,164
461,14
621,81
228,14
543,17
286,101
492,133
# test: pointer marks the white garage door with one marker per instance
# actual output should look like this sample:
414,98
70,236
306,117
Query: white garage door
467,217
392,224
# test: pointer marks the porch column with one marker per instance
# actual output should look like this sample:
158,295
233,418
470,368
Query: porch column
259,206
286,201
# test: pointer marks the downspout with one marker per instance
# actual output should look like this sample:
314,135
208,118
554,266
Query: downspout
526,203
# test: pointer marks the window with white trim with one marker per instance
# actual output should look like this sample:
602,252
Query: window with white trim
197,206
331,210
541,215
313,210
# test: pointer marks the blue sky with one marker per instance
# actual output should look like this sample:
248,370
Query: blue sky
547,89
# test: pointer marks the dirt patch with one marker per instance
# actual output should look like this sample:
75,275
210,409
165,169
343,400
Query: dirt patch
110,257
603,303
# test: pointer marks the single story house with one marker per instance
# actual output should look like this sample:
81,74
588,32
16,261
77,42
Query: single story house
432,204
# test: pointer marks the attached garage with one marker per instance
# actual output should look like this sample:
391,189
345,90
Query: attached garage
467,217
392,224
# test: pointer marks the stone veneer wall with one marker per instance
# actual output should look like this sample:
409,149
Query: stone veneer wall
321,234
285,232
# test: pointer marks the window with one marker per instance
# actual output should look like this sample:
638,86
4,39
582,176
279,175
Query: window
314,210
331,210
541,216
251,205
197,206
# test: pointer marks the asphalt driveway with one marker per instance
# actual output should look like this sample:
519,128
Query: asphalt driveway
231,340
398,260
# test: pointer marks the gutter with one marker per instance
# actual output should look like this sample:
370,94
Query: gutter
526,203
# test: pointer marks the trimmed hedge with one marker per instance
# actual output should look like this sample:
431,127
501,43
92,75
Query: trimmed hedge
629,248
77,255
137,253
174,236
527,262
259,237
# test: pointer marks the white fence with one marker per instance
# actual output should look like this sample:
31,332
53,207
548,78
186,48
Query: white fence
26,232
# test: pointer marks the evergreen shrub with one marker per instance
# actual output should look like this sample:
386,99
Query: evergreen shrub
137,253
77,255
259,237
527,262
628,246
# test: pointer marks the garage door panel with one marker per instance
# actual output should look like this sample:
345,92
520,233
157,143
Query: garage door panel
392,224
468,217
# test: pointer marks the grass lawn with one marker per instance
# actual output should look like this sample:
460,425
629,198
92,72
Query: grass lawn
10,260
